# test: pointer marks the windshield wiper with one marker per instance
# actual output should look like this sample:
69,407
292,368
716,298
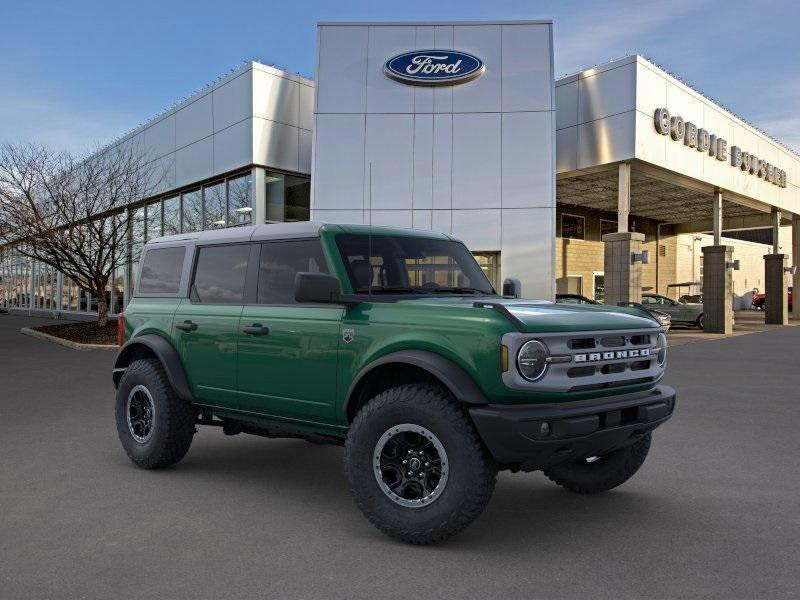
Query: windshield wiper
389,290
459,290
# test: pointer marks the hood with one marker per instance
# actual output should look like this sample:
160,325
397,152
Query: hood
539,316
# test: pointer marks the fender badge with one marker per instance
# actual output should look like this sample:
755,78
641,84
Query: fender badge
348,335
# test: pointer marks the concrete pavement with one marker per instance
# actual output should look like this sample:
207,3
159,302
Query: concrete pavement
714,512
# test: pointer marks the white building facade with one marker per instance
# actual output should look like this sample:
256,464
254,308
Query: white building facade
474,159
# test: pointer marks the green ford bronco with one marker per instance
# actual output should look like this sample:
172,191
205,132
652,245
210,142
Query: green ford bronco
393,343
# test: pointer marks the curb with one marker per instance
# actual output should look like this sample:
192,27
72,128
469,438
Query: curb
62,342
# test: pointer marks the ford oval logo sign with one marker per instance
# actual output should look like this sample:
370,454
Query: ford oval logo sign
434,67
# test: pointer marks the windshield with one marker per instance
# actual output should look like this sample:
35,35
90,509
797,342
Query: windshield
410,265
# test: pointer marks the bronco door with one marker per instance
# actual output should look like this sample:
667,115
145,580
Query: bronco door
207,323
288,352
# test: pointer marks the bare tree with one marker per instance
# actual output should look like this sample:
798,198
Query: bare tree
69,213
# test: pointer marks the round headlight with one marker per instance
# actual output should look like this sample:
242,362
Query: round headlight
661,349
532,360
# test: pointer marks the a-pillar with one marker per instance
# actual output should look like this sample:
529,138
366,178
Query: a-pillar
623,275
717,287
796,263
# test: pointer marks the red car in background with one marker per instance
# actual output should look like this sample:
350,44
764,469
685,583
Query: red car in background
760,300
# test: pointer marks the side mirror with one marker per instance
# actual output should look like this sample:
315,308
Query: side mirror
512,287
321,288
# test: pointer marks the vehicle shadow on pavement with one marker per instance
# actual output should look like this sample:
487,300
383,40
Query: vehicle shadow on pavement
527,512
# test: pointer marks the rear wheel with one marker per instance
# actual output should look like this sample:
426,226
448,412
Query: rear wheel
154,425
416,466
601,473
701,321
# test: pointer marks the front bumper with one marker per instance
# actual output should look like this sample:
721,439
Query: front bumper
532,437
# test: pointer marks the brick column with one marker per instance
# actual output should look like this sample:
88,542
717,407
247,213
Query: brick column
623,277
717,289
777,312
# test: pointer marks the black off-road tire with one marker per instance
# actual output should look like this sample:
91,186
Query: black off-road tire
172,422
605,473
471,476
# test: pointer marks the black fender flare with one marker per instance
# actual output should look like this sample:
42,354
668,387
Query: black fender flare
458,381
166,354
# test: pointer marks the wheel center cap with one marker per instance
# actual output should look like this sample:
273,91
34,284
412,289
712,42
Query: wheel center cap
414,463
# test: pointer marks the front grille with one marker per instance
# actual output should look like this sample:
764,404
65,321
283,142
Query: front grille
590,360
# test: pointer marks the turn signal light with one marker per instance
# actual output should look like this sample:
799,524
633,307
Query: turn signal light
503,359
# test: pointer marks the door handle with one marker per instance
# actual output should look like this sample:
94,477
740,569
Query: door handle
256,329
186,326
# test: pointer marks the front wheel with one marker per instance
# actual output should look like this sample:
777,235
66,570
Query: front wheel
601,473
416,466
701,321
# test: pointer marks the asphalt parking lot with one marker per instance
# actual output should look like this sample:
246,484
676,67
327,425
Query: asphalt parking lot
714,512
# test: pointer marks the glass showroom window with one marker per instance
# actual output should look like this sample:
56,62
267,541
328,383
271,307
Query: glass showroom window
489,262
153,216
192,211
607,227
288,197
215,206
172,215
240,209
573,227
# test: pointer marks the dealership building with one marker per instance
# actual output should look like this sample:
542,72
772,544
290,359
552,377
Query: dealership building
608,183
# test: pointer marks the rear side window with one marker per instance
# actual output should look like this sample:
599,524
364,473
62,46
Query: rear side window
220,274
280,262
161,271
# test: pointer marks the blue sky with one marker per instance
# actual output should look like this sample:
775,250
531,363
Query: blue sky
75,74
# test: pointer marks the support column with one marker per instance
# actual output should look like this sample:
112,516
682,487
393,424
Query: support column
776,231
259,196
777,311
717,289
717,217
623,276
623,197
796,263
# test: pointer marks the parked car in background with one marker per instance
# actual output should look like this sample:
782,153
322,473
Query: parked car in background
574,299
685,313
663,318
760,300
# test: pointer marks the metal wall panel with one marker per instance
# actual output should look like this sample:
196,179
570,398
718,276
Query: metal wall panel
305,141
482,94
479,229
476,160
422,196
527,165
527,77
606,140
339,216
338,177
385,95
424,39
341,69
443,37
160,137
607,93
528,250
567,149
306,107
567,105
194,121
233,146
194,162
442,161
276,98
389,152
233,101
275,145
389,218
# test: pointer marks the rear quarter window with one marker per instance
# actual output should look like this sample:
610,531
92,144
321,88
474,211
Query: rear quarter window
161,271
